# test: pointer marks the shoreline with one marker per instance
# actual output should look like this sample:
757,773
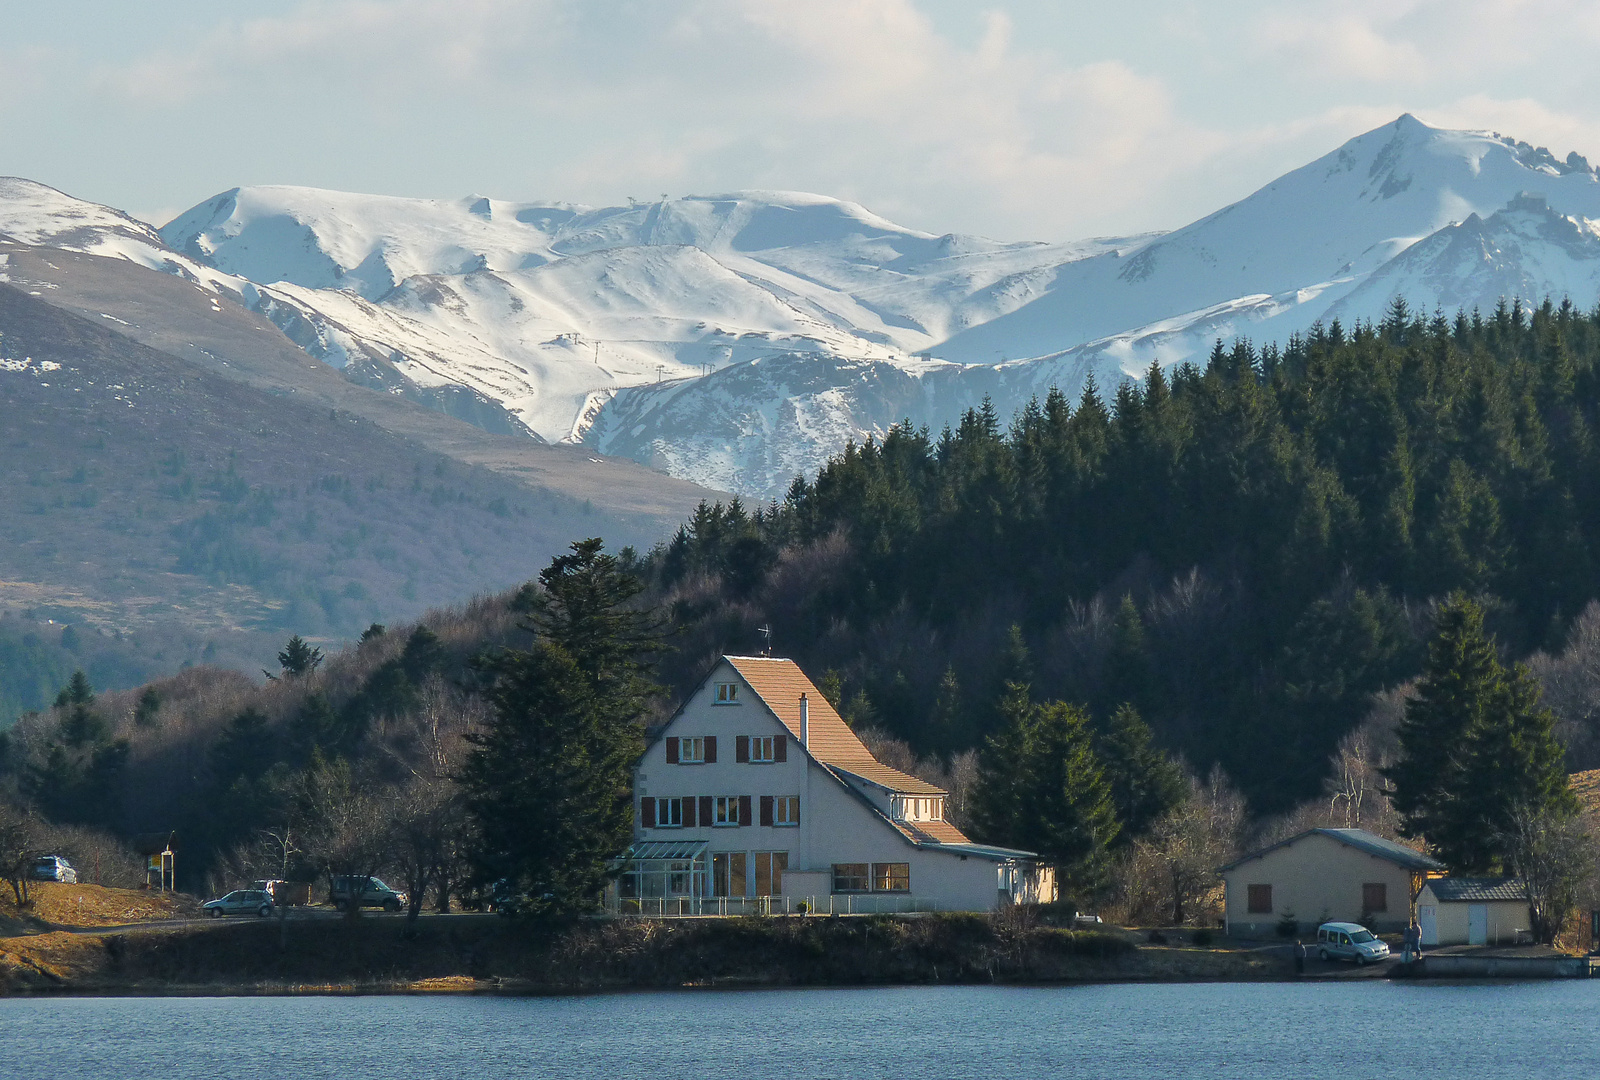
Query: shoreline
505,958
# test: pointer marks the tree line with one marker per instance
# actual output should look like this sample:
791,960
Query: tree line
1243,552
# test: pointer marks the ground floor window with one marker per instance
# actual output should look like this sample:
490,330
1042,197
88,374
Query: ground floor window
1259,899
891,877
770,866
1374,897
850,877
729,876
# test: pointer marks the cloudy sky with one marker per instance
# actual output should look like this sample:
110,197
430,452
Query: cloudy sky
1016,119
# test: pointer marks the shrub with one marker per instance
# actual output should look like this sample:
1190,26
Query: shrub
1202,938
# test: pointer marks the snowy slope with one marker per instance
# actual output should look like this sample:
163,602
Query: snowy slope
552,308
738,339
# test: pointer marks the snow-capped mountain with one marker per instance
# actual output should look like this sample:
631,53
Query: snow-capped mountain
737,340
550,308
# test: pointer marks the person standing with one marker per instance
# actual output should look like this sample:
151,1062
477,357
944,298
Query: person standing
1299,957
1413,943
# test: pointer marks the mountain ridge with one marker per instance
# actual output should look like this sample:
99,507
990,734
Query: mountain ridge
665,331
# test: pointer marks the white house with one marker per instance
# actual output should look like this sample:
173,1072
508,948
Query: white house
757,796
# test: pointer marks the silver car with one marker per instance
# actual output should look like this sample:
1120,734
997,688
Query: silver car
54,868
239,902
1349,941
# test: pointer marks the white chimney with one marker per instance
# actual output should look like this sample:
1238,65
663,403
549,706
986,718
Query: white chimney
805,722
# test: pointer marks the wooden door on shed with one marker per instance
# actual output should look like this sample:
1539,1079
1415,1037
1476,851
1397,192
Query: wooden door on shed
1428,921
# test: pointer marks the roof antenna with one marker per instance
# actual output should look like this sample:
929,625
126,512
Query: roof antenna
766,632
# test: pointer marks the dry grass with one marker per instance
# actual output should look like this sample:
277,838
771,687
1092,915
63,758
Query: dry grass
1586,785
55,904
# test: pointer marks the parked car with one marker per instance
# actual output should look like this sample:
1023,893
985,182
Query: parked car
239,902
54,868
374,893
1349,941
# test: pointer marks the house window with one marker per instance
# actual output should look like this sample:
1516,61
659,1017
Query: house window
761,748
1260,899
891,877
727,693
850,877
669,814
770,866
691,751
786,810
728,874
918,809
725,810
1375,897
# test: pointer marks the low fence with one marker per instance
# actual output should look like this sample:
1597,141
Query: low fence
686,907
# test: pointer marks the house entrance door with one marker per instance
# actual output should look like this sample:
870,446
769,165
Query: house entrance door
1477,924
1428,921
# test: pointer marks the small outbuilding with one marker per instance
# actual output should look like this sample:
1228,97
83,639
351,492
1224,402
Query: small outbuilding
1324,875
1473,911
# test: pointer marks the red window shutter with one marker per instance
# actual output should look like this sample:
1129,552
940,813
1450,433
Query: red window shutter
741,748
688,812
672,751
711,749
780,748
647,812
745,817
706,817
766,809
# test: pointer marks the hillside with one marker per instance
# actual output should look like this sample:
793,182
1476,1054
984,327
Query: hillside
148,493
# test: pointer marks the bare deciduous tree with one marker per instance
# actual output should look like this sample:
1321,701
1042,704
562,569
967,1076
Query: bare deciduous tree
1554,856
1172,869
19,848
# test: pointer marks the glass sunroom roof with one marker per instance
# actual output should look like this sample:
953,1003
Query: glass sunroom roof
663,849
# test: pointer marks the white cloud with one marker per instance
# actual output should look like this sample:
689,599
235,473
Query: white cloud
1119,119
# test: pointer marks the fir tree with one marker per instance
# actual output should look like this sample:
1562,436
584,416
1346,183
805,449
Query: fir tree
550,779
298,658
1475,747
1145,783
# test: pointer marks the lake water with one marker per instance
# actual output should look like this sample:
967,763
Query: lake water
1309,1032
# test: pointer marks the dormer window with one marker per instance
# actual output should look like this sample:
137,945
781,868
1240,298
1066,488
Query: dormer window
727,693
918,808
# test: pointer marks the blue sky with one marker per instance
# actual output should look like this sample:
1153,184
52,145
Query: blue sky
1014,119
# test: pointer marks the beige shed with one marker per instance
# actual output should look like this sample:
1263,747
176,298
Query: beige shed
1324,875
1473,911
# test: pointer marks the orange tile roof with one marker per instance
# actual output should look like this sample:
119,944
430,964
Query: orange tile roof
779,683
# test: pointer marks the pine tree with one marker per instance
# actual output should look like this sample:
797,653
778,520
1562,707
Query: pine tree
1145,783
1040,788
1476,748
147,713
298,658
550,779
948,722
1073,820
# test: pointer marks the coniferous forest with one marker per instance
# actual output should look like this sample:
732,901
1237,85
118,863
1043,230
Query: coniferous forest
1244,552
1239,557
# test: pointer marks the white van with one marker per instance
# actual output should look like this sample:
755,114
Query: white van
1349,941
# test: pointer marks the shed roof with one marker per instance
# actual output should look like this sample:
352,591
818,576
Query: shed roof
1359,839
780,682
1477,890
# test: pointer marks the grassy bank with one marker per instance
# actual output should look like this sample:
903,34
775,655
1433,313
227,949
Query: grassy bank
496,955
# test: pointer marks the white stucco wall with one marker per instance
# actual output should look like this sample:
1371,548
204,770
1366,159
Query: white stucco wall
835,825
